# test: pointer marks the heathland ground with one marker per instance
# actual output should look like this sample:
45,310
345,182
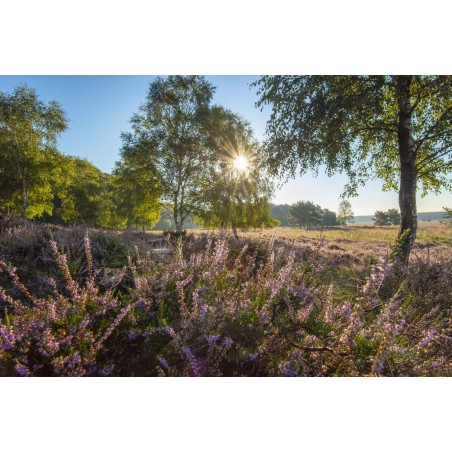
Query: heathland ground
279,302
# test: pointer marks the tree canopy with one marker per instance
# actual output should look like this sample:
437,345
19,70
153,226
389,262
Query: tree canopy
305,214
396,128
29,129
345,213
235,196
170,130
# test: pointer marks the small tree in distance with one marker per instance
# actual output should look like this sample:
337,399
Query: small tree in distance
305,214
388,218
329,218
345,214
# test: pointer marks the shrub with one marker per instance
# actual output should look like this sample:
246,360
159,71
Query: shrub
219,306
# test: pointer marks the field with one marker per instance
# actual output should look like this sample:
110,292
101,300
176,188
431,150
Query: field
280,302
432,232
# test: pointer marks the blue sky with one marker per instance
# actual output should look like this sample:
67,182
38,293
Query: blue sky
99,108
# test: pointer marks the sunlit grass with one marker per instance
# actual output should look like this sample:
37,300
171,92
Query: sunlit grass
428,232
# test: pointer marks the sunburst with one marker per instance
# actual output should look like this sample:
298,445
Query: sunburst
241,163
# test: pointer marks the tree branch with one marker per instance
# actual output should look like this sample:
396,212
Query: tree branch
431,129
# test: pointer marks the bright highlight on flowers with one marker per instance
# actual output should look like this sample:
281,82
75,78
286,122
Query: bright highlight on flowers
241,163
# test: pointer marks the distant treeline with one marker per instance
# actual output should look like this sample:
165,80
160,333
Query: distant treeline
306,214
421,216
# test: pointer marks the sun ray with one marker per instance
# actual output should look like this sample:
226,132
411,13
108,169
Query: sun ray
241,163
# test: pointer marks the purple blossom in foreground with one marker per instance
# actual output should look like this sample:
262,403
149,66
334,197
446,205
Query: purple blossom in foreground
203,312
428,338
72,360
211,339
106,371
163,362
21,370
286,370
8,338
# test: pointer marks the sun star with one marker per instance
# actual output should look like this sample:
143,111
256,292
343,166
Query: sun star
240,163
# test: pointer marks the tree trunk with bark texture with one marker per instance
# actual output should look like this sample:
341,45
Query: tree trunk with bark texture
408,173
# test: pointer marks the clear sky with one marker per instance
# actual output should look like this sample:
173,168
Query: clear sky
99,108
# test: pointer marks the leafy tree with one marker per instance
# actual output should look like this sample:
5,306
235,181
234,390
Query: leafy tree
78,192
345,214
28,135
235,197
397,128
390,217
329,218
136,183
281,213
305,214
169,128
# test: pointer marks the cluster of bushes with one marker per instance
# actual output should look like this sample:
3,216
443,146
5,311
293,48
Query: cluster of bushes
216,306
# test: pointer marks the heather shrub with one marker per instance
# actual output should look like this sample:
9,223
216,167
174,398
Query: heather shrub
220,306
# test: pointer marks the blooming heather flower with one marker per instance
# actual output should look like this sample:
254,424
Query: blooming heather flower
48,346
8,337
377,366
168,330
106,371
427,338
72,360
21,370
286,370
211,339
89,257
163,362
110,329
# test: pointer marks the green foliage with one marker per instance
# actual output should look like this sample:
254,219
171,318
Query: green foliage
400,245
396,128
136,185
169,134
81,196
305,214
28,156
345,214
235,197
329,218
281,213
348,124
390,217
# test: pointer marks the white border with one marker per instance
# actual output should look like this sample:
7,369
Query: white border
234,37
